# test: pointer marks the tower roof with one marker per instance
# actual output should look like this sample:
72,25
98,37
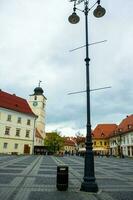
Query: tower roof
38,91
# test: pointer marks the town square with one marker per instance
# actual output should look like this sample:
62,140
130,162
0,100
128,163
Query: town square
66,111
34,178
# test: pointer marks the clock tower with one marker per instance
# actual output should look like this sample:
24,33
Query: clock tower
37,102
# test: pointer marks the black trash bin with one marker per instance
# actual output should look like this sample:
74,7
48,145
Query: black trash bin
62,177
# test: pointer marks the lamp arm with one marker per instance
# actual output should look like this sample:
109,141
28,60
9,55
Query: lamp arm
93,5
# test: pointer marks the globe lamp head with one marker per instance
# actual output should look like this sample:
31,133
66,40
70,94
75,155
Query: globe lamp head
99,11
74,18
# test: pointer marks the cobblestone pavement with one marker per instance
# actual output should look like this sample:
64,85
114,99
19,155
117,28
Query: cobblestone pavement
34,178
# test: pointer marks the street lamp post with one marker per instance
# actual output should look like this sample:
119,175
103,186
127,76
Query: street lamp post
89,182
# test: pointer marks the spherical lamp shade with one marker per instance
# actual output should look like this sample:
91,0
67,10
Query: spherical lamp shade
74,18
99,11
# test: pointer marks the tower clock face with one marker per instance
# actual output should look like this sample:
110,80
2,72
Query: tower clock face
35,103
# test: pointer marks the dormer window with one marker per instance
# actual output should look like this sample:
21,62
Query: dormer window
92,134
119,130
129,126
102,134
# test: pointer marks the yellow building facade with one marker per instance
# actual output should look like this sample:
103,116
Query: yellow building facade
100,138
101,146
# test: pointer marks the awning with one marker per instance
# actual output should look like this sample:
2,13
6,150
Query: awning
99,149
82,150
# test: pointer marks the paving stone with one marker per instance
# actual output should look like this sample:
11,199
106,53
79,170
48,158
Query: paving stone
56,196
44,180
122,195
10,171
6,179
34,177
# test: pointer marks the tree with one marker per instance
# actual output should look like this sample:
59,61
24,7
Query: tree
54,142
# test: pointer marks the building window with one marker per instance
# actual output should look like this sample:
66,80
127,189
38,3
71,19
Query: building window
7,130
123,140
15,146
19,120
101,143
18,132
94,143
43,105
127,140
28,121
9,117
5,145
105,143
35,97
27,134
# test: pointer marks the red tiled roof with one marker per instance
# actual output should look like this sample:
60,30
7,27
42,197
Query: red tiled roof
13,102
37,134
103,131
69,143
126,124
80,140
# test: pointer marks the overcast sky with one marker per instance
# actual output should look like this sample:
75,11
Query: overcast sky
35,39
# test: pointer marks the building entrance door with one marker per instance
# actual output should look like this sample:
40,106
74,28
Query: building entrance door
26,149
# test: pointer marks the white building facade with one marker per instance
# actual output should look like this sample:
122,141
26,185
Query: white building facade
121,141
17,125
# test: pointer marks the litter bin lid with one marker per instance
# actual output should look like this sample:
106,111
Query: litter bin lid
62,168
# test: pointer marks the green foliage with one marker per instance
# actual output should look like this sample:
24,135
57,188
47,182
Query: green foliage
54,142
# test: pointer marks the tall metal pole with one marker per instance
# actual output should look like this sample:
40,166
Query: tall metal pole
88,184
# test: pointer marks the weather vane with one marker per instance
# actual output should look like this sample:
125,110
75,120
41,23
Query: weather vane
39,83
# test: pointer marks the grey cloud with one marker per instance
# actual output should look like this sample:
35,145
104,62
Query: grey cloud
35,40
